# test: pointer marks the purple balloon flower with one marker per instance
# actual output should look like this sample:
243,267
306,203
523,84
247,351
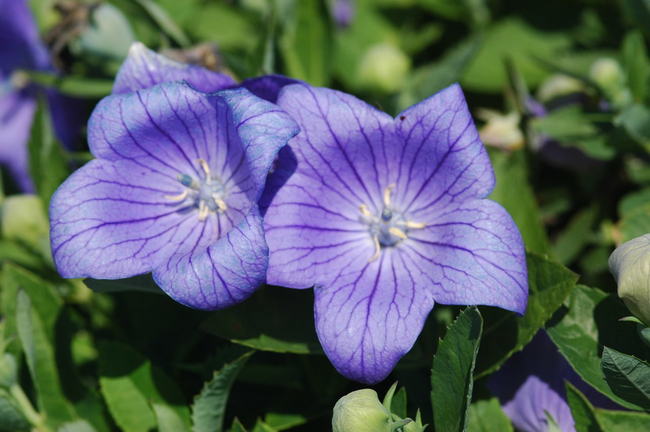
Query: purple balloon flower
384,217
531,387
21,49
173,191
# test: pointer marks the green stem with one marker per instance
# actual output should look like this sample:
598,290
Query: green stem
27,408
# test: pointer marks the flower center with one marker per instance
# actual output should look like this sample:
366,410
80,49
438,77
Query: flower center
208,195
389,227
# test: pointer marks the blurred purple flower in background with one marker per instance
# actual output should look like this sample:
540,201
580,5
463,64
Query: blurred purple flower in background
531,387
22,50
385,216
342,12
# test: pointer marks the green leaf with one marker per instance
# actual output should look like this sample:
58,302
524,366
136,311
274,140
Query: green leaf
260,426
627,376
589,319
143,283
486,416
398,404
11,418
632,201
73,86
635,222
369,28
573,128
53,327
8,370
165,22
168,419
210,405
283,421
505,333
575,236
131,386
636,64
77,426
514,192
305,44
237,426
447,9
228,27
512,38
582,410
273,319
635,119
430,79
638,11
39,353
622,421
453,368
395,403
10,251
47,162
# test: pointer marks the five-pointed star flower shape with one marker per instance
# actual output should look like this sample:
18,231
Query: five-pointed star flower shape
384,217
173,191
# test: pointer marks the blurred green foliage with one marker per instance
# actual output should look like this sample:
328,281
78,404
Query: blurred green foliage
112,355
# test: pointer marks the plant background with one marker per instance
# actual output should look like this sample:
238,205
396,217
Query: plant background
83,356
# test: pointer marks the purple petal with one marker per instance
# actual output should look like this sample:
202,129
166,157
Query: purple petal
268,87
533,400
110,221
225,273
19,39
170,126
16,116
342,157
144,68
472,253
371,315
443,160
263,129
166,128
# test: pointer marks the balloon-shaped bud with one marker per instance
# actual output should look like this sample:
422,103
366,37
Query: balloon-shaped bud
361,411
630,265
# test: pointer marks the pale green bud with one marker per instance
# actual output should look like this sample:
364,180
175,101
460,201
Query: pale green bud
361,411
501,130
630,265
109,36
606,72
23,219
383,68
558,85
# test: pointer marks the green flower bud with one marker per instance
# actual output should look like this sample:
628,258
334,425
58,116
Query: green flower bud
383,68
606,72
630,265
23,219
501,130
558,85
361,411
609,76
